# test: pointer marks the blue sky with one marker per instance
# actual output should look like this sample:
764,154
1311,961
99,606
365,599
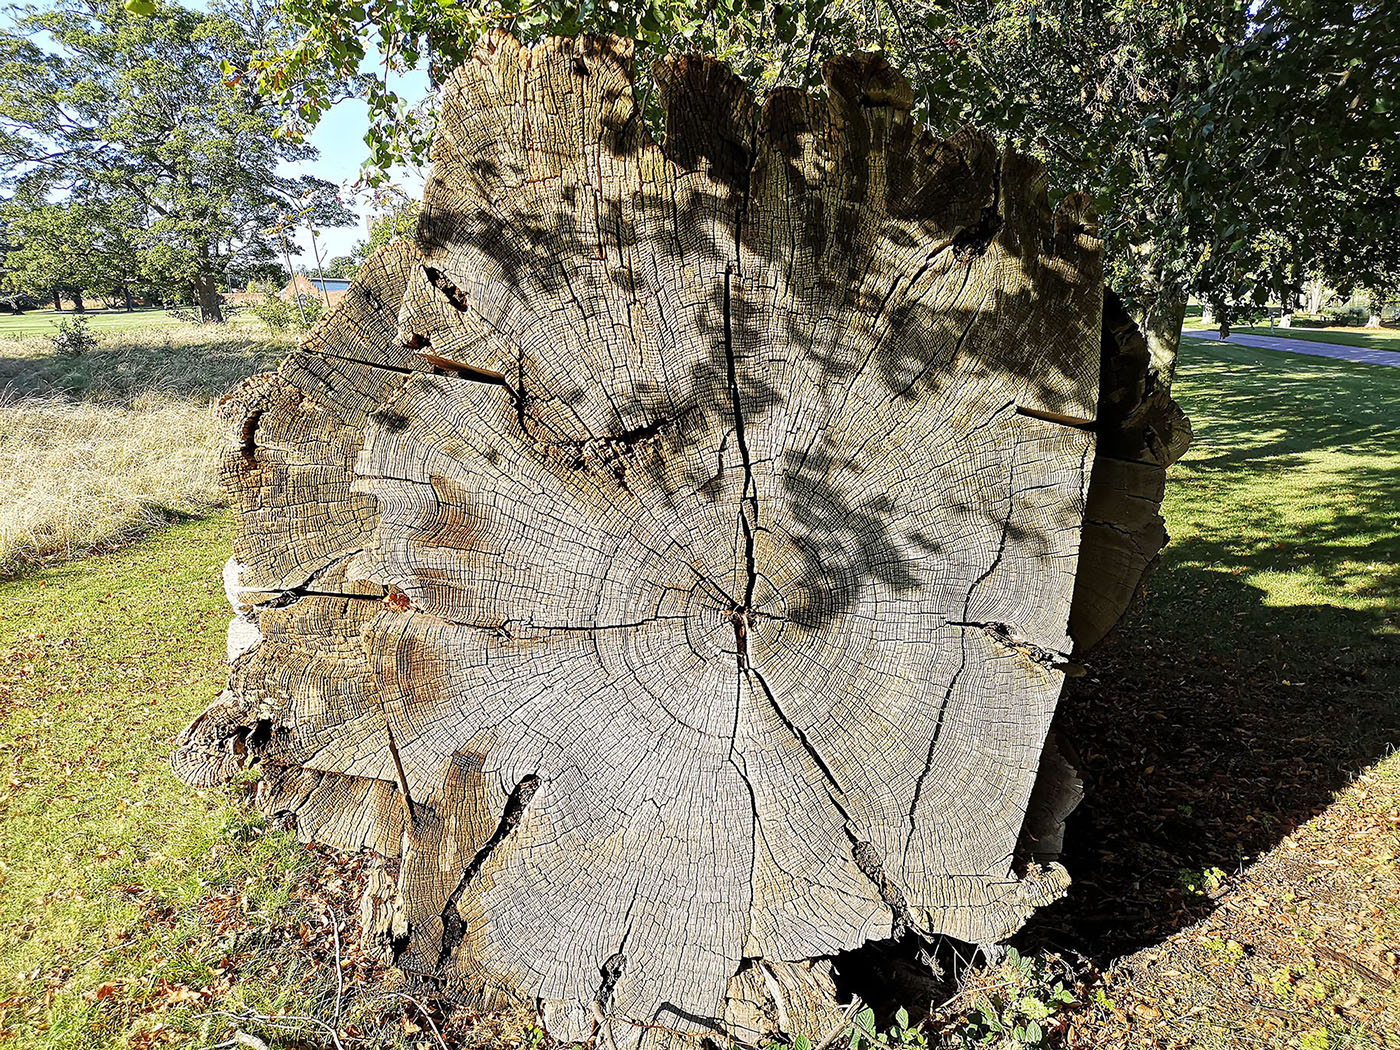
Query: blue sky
340,142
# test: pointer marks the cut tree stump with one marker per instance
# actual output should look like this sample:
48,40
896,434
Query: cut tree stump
666,561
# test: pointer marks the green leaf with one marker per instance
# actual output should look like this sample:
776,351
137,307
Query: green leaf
801,1042
901,1018
1033,1034
144,8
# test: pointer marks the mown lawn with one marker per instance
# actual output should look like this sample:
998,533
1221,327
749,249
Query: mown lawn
1368,338
1214,737
45,322
1227,895
109,865
1289,500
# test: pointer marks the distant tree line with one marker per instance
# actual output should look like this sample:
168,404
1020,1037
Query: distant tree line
135,164
1235,148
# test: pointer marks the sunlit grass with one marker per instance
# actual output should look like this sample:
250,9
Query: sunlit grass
1289,500
46,322
99,447
104,856
1367,338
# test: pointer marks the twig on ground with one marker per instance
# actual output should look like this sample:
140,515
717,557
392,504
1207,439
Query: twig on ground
339,974
427,1017
281,1021
831,1037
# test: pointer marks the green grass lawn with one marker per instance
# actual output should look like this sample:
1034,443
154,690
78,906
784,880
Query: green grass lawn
1369,338
132,907
1291,491
45,322
114,877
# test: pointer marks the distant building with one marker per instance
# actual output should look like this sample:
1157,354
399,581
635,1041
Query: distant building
333,288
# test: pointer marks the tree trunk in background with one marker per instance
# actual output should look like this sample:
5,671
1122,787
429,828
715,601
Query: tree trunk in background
57,300
1316,293
1161,326
669,560
207,292
79,307
126,296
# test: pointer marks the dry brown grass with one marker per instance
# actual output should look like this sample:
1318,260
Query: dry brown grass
97,448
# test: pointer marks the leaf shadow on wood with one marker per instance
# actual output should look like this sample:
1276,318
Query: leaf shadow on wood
920,355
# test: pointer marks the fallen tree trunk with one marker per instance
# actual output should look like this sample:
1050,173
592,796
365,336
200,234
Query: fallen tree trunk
667,559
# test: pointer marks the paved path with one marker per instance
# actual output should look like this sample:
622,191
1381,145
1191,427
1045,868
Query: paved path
1303,346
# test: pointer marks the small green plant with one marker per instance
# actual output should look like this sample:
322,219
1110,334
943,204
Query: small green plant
1232,950
1200,883
1019,1015
73,338
864,1035
312,307
274,312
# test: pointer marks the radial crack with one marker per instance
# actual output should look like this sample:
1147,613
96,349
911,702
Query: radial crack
453,927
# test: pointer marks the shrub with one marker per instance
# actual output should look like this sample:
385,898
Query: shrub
1349,315
16,302
312,307
274,312
185,313
73,338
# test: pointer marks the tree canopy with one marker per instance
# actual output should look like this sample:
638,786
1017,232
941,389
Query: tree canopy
105,111
1231,146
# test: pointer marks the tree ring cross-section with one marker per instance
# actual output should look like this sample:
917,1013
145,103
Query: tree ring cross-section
666,558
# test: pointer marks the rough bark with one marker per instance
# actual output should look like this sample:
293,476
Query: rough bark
666,562
1161,328
1141,433
206,291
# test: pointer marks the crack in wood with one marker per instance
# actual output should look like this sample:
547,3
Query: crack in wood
247,436
971,242
400,774
872,866
453,928
1005,634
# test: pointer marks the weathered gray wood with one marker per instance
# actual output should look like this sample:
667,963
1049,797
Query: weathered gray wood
1141,432
668,559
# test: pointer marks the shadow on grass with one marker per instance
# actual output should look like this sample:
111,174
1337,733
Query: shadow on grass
1264,671
189,362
